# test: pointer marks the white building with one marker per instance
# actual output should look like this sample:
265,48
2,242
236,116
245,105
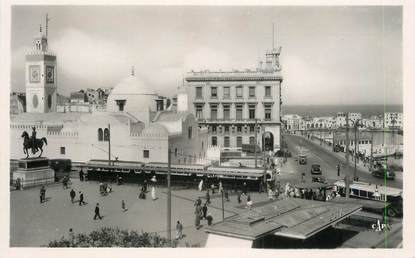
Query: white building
292,122
138,129
373,122
340,119
353,117
393,120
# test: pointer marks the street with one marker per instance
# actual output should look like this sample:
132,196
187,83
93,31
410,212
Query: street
328,160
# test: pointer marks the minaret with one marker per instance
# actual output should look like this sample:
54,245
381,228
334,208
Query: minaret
40,76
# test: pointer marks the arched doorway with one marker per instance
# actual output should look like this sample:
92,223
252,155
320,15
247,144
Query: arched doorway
267,141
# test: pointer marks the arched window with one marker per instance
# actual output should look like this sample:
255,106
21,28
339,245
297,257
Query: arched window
100,135
106,135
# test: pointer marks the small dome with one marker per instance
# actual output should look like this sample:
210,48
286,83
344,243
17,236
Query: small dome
131,94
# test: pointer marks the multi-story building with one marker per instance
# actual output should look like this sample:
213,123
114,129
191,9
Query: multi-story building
393,120
373,122
353,117
234,105
292,122
340,119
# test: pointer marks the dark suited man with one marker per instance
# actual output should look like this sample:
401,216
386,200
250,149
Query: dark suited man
97,212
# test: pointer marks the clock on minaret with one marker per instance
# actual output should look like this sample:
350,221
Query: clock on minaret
41,84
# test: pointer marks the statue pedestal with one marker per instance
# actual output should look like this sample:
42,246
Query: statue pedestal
34,171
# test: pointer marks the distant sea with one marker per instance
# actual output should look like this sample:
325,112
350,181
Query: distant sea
331,110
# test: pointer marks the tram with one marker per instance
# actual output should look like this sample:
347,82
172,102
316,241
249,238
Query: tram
186,174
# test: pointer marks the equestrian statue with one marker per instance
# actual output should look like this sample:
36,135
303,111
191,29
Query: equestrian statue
32,143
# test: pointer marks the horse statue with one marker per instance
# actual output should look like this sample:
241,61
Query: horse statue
35,144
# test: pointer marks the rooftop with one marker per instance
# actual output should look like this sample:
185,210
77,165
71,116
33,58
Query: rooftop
293,218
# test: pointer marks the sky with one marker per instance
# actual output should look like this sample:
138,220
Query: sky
330,55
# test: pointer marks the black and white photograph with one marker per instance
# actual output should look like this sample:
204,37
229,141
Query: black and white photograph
207,126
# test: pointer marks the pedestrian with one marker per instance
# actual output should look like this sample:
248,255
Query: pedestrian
209,219
239,197
248,202
81,175
338,169
207,197
199,201
200,185
227,195
220,187
71,237
179,230
204,210
197,216
97,212
213,188
145,186
244,189
81,198
72,194
42,194
123,206
153,193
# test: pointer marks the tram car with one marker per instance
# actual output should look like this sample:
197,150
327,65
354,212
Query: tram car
186,174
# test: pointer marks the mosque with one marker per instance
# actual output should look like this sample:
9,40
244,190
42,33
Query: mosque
137,125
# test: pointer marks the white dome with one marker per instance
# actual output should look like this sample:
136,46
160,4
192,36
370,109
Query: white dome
138,96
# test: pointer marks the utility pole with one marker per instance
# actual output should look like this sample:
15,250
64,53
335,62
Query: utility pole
223,208
356,149
371,151
169,198
346,178
256,143
109,145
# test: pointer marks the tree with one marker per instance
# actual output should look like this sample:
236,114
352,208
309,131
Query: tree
113,237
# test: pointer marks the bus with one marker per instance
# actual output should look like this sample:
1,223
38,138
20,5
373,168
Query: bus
389,199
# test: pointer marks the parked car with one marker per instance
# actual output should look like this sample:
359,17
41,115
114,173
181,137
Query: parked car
302,159
315,169
319,179
382,173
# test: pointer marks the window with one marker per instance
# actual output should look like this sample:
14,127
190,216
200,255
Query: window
239,141
106,135
213,92
199,112
199,94
267,91
226,112
214,112
226,141
268,112
214,140
226,128
251,112
239,111
251,91
252,128
239,92
226,92
100,135
214,129
146,154
252,140
239,128
63,150
189,132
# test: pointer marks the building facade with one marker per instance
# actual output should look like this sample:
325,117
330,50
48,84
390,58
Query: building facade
235,105
393,120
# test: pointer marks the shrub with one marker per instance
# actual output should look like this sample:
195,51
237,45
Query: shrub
113,237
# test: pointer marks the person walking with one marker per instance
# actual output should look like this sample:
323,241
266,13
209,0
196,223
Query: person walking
248,202
200,187
207,197
123,206
97,212
81,198
212,186
239,197
81,175
338,169
72,195
197,216
153,193
179,230
227,195
145,186
204,210
42,194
